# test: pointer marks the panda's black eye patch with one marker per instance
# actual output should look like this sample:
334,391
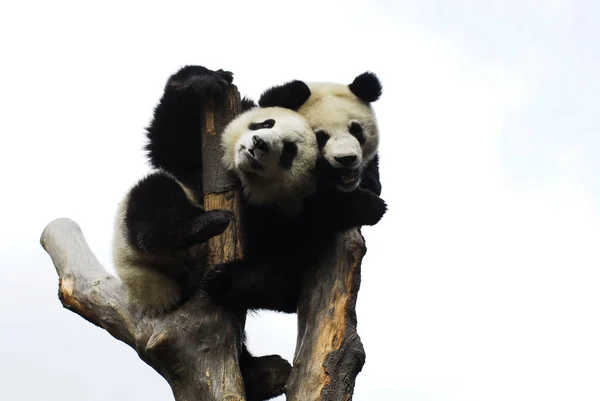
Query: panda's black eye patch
322,138
290,150
270,123
357,131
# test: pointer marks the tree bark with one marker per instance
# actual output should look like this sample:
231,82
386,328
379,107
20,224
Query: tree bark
329,353
218,185
195,347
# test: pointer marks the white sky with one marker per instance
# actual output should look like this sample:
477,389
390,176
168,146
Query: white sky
481,283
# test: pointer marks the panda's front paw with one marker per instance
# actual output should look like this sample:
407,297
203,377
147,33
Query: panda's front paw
218,284
210,224
207,86
372,210
226,75
377,209
202,82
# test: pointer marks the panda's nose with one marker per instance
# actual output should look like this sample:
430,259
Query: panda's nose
260,143
345,160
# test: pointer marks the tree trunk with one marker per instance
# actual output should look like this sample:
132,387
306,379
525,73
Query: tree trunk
329,354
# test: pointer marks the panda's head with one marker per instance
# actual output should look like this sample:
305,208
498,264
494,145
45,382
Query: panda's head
274,152
343,121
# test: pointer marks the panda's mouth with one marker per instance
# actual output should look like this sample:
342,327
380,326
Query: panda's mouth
348,177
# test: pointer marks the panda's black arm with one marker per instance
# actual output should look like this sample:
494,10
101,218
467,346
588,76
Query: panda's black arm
335,211
174,140
251,285
159,216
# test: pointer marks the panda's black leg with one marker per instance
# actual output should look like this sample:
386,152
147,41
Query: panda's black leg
244,284
160,217
265,376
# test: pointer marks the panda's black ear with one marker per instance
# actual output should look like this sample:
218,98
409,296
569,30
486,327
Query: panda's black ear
290,95
366,87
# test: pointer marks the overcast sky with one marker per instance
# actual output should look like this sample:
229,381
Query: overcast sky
481,282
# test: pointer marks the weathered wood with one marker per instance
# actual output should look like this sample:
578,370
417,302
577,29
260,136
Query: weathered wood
219,186
192,347
220,192
329,354
216,178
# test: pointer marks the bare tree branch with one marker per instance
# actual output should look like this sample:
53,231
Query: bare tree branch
193,347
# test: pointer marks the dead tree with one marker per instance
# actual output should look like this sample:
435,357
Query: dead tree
195,347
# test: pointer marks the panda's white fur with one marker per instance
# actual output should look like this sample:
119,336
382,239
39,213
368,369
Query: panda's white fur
147,289
272,184
332,108
344,123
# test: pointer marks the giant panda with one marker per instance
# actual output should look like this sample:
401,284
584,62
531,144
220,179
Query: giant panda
161,229
345,125
280,246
